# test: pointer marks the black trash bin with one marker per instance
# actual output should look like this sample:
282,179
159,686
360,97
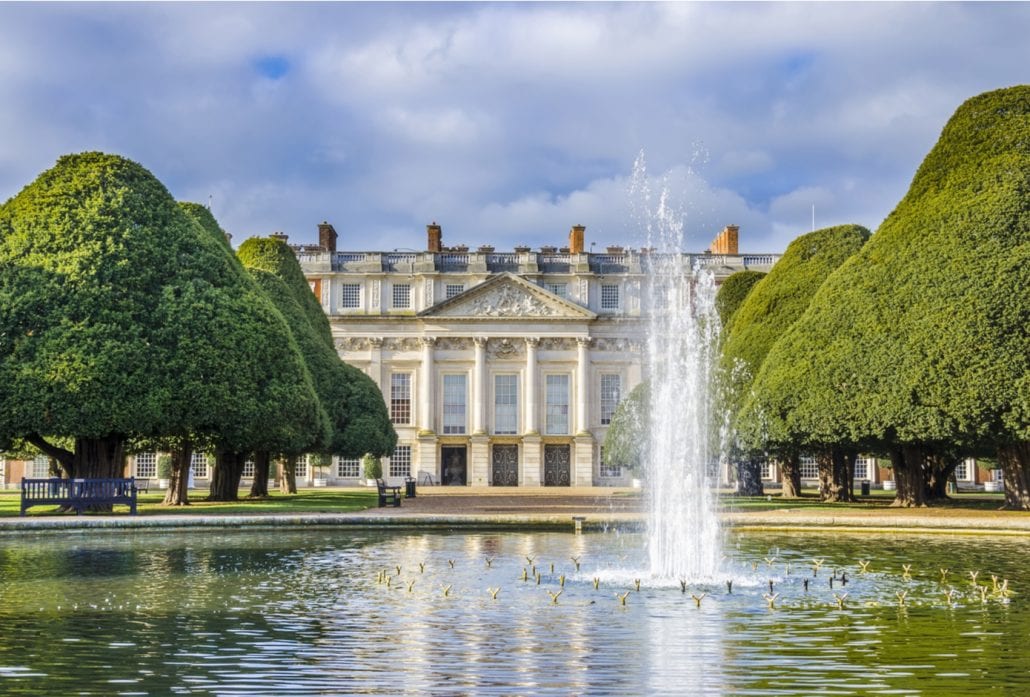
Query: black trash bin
865,488
409,487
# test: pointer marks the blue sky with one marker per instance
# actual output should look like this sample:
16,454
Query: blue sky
505,123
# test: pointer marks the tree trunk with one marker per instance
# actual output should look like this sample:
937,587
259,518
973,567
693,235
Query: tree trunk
225,478
939,470
749,477
1014,461
833,475
790,470
99,458
259,487
909,475
288,476
65,458
177,493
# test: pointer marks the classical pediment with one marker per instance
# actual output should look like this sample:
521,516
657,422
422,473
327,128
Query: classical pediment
509,297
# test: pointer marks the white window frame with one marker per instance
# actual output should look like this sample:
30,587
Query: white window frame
559,289
864,467
40,467
808,467
609,399
350,293
553,414
400,292
400,462
607,291
453,289
767,471
397,400
248,469
607,471
448,411
302,468
145,465
510,397
200,466
348,467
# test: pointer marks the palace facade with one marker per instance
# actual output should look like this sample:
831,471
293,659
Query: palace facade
498,368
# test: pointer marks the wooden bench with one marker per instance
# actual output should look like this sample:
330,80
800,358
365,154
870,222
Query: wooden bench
79,494
388,495
143,485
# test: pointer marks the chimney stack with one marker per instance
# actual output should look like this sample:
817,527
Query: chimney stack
327,237
281,236
576,237
727,241
434,238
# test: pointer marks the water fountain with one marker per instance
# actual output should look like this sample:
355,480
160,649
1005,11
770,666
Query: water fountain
680,359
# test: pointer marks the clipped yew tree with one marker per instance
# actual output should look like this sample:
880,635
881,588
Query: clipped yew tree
120,318
732,292
359,423
918,344
773,304
627,435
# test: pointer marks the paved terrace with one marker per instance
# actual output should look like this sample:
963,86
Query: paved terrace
495,507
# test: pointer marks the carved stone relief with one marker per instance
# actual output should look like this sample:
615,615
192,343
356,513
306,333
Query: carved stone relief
353,343
453,343
506,301
376,284
557,344
405,344
505,348
618,345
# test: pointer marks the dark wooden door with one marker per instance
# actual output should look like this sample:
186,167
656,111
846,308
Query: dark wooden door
505,461
557,466
454,466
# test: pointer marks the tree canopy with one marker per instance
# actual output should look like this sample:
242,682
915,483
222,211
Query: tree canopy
733,291
625,440
919,341
120,317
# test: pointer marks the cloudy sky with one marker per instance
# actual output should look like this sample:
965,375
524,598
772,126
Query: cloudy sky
506,123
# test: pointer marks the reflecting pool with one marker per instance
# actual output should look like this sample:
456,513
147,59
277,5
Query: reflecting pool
328,612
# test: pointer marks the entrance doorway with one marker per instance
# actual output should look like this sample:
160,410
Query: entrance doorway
505,465
454,465
557,470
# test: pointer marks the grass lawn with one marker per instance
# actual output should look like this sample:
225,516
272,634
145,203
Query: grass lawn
305,501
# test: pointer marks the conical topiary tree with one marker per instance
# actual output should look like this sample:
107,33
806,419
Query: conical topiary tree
918,344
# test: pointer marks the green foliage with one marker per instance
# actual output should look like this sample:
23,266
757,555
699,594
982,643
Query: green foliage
203,217
358,421
120,315
624,443
921,338
733,291
779,300
372,466
164,466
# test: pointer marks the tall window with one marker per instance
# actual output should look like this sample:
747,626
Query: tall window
612,470
146,465
863,466
559,289
454,403
302,467
961,472
506,404
348,467
611,393
198,462
809,467
40,467
400,398
557,405
351,297
452,289
400,461
609,297
767,470
248,468
401,296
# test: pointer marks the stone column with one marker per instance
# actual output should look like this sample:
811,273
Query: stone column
582,380
479,387
425,401
530,388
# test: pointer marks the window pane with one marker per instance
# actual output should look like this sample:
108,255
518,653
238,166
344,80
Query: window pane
348,467
559,289
506,404
302,467
453,289
557,417
400,398
612,470
809,468
198,462
609,297
402,295
146,465
453,403
41,467
400,461
611,393
351,295
248,469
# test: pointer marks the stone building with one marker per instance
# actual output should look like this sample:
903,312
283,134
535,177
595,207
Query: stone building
499,368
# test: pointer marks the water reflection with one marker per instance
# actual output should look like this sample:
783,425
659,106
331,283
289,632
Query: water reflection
307,613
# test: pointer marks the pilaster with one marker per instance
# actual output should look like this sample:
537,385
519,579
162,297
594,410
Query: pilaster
583,461
532,461
479,460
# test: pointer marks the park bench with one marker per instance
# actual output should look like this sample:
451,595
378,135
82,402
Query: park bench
388,495
143,486
79,494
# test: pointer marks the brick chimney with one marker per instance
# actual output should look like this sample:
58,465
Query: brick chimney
727,241
327,237
281,236
434,238
576,237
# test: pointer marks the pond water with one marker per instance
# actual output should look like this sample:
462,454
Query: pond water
287,612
